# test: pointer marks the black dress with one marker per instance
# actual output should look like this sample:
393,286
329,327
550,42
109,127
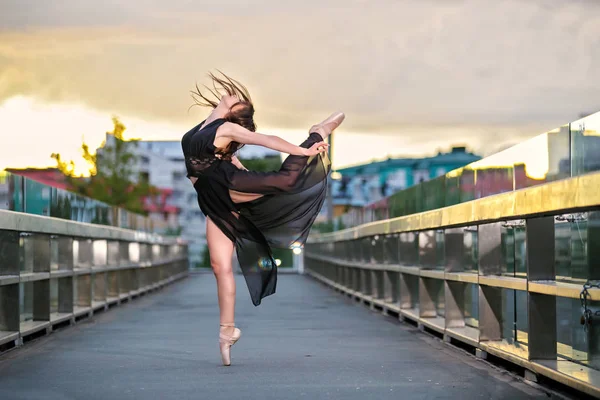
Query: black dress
293,197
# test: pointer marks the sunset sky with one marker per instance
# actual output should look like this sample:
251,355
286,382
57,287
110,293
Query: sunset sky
412,76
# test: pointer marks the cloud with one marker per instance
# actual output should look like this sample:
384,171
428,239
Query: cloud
407,68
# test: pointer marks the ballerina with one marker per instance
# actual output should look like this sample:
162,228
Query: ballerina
249,211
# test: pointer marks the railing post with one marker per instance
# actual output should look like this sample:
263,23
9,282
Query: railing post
9,308
65,295
9,293
541,308
455,303
490,313
490,298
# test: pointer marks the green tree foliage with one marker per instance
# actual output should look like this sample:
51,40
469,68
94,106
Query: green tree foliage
205,263
173,231
266,164
112,178
61,207
323,227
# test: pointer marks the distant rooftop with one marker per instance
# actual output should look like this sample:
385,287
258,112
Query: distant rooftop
47,176
457,155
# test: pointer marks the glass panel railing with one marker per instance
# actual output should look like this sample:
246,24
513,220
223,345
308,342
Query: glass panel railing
26,195
585,145
571,150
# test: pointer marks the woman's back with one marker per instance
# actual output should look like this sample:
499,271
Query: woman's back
198,147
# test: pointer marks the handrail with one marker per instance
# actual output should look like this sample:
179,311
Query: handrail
568,195
54,272
17,221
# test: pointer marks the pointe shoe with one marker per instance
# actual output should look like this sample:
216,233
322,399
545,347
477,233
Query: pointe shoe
329,125
226,341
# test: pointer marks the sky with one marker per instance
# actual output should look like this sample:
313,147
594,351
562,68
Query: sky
413,77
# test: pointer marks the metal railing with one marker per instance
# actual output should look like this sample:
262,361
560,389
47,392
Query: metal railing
503,274
54,272
18,193
569,151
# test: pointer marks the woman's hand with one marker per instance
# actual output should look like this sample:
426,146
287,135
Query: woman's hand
316,148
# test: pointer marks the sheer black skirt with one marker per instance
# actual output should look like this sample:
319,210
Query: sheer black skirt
282,218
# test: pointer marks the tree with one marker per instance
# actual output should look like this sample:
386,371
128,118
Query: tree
205,263
112,179
61,207
266,164
170,231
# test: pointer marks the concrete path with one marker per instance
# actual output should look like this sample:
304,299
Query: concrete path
304,342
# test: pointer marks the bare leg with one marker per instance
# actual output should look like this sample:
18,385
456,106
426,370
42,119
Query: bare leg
221,252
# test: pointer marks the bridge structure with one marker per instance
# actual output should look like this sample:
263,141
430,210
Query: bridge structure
54,272
483,282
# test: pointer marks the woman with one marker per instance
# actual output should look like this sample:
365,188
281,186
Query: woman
251,211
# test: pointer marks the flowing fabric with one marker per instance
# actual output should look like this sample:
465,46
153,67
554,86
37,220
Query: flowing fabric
282,218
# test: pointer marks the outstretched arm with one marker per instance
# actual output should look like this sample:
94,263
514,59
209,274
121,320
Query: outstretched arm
237,133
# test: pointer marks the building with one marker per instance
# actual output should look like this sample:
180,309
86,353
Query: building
359,185
38,186
48,176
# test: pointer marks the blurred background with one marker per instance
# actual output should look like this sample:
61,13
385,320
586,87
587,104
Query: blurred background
472,97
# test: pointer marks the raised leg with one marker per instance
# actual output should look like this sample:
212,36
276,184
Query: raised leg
221,253
296,173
